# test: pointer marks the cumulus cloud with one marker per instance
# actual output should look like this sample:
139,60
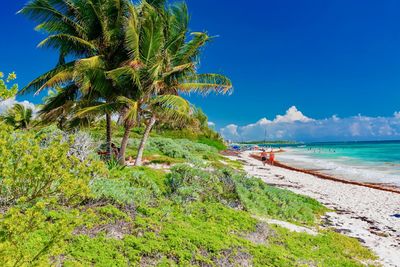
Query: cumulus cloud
294,125
292,115
7,104
230,132
211,124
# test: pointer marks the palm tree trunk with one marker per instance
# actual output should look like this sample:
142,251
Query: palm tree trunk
124,144
138,161
108,136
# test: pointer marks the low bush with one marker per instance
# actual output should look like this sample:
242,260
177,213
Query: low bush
33,236
176,148
190,184
264,200
118,191
30,170
139,186
217,143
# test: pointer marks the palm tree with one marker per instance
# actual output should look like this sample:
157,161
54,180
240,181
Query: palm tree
19,116
163,108
91,33
161,64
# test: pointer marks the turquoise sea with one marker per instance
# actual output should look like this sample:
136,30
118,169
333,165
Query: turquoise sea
375,162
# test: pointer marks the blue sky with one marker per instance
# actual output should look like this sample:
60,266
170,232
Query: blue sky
324,57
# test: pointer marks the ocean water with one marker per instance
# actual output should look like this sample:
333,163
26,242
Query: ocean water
373,162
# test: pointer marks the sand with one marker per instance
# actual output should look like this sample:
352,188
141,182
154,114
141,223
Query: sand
364,213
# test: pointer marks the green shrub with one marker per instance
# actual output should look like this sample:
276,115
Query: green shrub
178,148
99,251
30,237
217,143
140,186
170,148
262,199
118,191
30,170
188,184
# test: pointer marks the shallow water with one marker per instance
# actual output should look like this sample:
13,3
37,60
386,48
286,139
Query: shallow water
374,162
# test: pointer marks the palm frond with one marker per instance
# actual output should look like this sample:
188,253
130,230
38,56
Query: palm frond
96,109
171,107
38,82
62,40
42,11
130,109
132,33
59,79
191,50
205,83
152,34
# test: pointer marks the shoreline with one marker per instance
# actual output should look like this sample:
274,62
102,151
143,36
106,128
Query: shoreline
366,213
377,186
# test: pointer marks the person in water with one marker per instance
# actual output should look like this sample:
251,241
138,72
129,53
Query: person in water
264,155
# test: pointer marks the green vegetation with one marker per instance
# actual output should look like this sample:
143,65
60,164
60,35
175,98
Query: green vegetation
89,215
262,199
19,116
5,91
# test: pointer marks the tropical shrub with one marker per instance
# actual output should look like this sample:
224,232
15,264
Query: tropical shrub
139,186
264,200
5,91
217,143
30,170
81,144
33,236
118,191
179,149
170,148
190,184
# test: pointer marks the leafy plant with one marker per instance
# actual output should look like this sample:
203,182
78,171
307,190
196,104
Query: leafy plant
30,171
264,200
119,191
113,164
5,91
18,116
32,236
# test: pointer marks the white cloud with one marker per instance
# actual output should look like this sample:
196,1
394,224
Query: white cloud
294,125
6,104
211,124
230,132
292,115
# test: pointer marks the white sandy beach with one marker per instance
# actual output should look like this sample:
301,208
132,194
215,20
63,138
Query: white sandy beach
364,213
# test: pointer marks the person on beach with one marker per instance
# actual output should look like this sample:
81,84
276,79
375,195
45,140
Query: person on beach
272,157
264,155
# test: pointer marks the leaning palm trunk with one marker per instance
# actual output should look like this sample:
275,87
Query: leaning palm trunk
108,136
138,161
124,144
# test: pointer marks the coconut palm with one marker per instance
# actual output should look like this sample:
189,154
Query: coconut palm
19,116
162,63
91,33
